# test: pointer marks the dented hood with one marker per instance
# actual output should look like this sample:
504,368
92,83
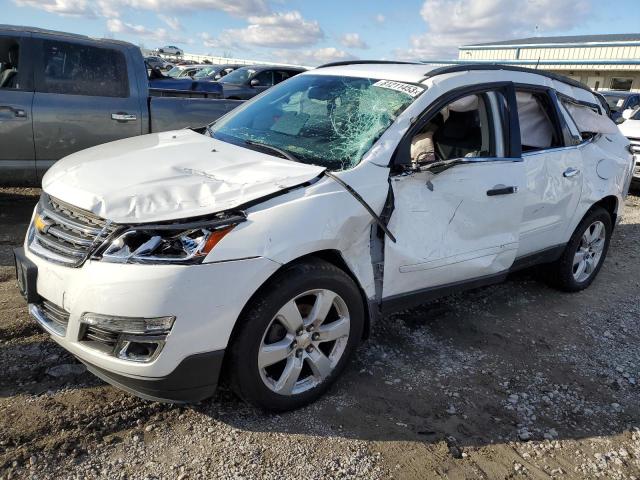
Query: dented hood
169,176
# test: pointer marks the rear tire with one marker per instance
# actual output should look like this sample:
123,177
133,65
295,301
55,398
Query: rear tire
584,254
296,336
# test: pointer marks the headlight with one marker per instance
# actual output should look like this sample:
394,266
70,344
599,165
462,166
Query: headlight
165,244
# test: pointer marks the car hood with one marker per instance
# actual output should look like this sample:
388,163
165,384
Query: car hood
169,176
630,128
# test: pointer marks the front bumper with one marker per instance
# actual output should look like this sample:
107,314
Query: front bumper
194,379
206,300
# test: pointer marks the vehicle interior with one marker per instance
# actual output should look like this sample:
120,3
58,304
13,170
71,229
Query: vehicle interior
9,58
461,129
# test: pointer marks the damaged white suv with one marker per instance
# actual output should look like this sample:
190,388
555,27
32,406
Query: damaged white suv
268,242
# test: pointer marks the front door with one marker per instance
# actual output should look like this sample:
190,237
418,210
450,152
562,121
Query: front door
17,158
83,98
460,225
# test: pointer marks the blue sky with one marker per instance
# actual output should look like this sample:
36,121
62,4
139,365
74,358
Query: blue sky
313,31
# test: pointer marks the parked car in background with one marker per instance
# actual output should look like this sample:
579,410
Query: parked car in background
630,128
61,93
215,72
271,242
171,50
247,82
158,62
619,101
182,71
181,86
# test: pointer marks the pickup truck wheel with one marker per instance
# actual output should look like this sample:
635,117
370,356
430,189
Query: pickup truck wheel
584,254
296,337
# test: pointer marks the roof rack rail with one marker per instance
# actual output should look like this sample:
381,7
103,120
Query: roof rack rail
498,66
364,62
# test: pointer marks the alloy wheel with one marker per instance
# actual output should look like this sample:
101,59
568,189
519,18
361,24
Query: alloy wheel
589,252
304,342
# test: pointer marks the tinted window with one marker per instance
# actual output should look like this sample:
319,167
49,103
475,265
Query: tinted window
265,78
10,54
73,69
633,102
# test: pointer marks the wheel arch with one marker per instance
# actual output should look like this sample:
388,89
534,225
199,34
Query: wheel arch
610,204
330,256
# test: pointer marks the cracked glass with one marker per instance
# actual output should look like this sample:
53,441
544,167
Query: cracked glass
325,120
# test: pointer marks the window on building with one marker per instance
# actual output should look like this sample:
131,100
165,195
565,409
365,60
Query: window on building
620,83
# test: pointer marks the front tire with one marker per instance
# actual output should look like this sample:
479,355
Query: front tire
584,254
296,337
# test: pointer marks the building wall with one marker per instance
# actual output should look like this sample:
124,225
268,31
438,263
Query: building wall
589,72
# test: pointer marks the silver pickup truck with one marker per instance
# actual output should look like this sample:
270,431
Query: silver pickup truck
60,93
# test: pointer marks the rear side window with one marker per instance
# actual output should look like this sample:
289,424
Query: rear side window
74,69
539,125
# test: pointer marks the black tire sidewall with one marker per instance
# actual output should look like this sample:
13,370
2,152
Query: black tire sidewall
293,281
565,270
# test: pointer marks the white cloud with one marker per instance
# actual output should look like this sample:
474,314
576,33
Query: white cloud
115,25
239,8
111,8
61,7
172,22
353,40
285,30
280,30
380,18
451,23
312,57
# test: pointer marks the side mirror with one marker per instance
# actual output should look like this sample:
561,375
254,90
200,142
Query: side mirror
628,113
619,120
255,82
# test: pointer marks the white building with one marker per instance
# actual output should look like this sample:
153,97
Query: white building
600,61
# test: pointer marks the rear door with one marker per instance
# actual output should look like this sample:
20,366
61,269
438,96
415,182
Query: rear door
553,169
83,98
17,158
458,226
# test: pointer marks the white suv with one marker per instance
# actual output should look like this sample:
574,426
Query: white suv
271,240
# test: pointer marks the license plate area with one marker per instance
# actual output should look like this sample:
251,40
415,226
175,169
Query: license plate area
26,275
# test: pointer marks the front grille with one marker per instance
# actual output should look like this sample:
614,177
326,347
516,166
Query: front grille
64,233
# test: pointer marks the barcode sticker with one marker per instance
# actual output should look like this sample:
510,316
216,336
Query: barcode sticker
411,90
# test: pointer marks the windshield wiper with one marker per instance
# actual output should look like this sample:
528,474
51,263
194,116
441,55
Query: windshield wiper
281,152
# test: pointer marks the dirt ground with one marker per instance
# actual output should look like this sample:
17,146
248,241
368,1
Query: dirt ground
511,381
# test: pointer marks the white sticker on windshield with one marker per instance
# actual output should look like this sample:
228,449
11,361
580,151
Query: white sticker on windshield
620,102
411,90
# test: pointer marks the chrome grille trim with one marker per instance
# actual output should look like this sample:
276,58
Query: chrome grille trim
52,318
69,235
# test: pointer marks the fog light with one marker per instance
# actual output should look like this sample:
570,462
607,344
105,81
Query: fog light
131,325
127,338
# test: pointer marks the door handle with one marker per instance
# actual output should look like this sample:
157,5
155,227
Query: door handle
17,112
123,117
570,172
501,190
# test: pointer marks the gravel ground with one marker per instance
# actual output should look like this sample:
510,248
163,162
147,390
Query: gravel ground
511,381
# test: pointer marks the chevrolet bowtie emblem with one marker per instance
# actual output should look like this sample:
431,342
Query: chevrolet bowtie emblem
41,224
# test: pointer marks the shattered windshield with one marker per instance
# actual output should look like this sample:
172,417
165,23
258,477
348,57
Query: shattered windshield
323,120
